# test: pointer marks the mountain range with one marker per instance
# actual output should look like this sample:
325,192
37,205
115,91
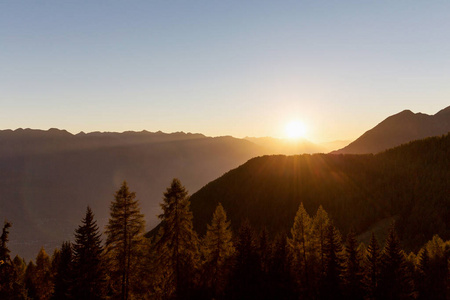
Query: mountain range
47,178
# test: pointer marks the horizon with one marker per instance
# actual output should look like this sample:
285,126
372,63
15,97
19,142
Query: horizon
220,69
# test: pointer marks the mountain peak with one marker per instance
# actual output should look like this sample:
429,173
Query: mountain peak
398,129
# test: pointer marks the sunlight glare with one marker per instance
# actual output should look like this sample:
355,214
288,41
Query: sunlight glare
295,130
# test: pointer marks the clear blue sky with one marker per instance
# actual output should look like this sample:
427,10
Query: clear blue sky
241,68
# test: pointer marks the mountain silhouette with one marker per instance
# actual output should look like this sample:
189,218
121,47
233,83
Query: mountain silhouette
399,129
408,183
47,178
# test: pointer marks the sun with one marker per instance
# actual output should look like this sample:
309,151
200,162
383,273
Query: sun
295,130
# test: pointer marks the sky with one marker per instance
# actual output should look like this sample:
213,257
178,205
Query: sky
240,68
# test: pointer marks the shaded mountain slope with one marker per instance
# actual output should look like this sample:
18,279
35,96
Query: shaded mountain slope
48,177
411,182
398,129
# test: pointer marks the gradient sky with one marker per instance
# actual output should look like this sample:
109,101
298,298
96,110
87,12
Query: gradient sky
241,68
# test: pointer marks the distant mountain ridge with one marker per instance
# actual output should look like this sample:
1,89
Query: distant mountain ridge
47,178
399,129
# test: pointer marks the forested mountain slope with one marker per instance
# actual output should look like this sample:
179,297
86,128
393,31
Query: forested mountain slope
411,182
398,129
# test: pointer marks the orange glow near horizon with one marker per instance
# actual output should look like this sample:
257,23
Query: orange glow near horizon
295,130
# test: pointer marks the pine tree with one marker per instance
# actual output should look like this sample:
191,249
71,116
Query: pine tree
177,244
43,279
298,244
10,284
63,276
124,241
217,250
394,283
372,268
88,265
423,277
352,271
331,285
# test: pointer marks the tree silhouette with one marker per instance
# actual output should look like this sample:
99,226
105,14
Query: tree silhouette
245,283
352,270
88,265
331,284
394,282
124,233
217,250
43,277
372,268
177,244
64,274
10,284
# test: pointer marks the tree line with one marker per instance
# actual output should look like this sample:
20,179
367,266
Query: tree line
313,262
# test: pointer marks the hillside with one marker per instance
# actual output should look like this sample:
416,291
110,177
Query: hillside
399,129
48,177
410,182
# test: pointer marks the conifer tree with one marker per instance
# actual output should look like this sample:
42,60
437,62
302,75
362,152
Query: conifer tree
352,271
20,266
245,283
372,268
394,282
279,270
217,250
331,286
10,284
29,280
124,241
43,279
177,244
298,244
64,276
88,265
319,226
423,278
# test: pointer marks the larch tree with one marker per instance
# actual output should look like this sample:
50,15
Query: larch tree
43,277
319,226
217,250
177,244
88,264
299,244
124,241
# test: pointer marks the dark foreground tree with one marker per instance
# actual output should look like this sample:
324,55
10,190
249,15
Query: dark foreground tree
217,250
43,277
10,284
332,283
372,268
176,245
394,281
124,241
88,265
63,277
246,278
352,270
